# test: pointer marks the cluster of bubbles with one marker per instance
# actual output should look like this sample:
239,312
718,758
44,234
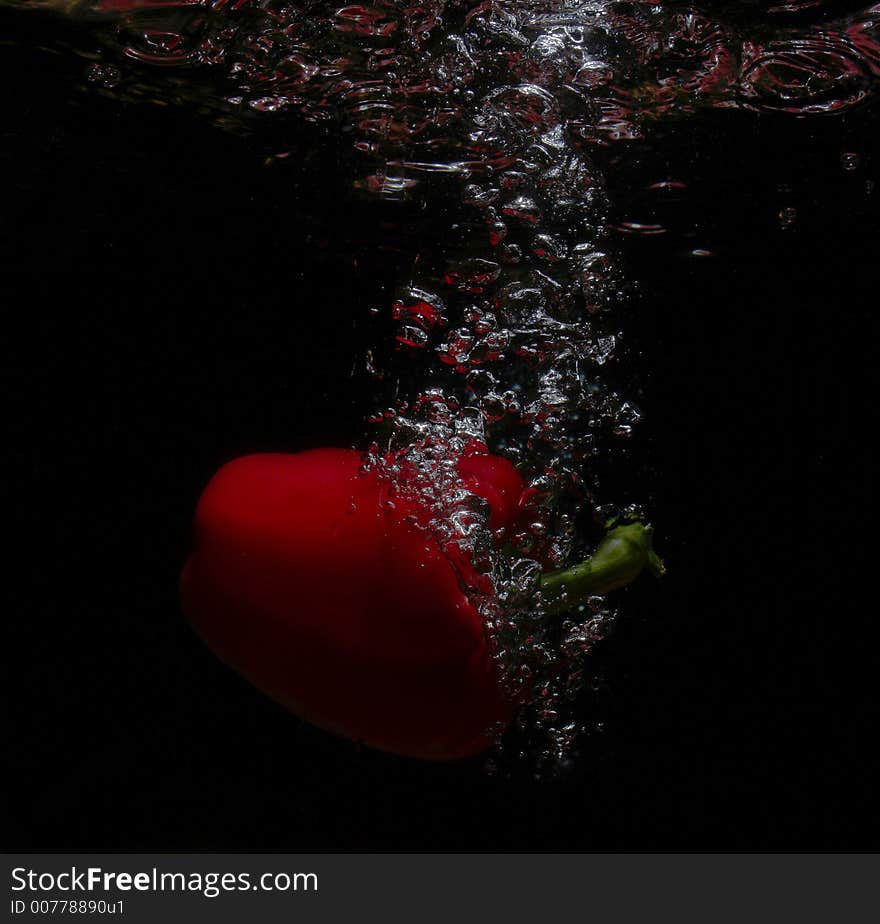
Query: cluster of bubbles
511,323
378,65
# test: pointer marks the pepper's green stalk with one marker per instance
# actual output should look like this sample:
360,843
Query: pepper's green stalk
618,560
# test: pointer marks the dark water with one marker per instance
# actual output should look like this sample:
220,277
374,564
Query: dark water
172,302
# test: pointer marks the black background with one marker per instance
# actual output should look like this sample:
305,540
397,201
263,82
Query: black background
171,303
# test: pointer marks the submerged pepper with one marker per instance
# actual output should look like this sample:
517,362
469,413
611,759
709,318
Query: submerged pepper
342,606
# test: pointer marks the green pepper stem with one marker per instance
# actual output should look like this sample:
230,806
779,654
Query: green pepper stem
621,556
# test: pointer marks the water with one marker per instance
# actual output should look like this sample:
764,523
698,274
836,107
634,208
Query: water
503,123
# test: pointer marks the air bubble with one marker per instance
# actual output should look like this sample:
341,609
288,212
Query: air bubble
787,217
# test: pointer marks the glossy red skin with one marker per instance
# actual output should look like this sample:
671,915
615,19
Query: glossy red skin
334,603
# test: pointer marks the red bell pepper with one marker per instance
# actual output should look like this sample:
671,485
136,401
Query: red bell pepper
341,605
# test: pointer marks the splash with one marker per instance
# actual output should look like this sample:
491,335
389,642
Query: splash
510,324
